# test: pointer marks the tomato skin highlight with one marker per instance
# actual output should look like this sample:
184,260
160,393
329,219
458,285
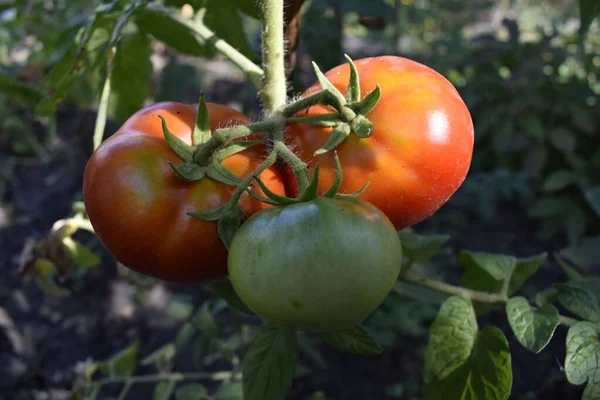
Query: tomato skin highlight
137,205
421,147
316,266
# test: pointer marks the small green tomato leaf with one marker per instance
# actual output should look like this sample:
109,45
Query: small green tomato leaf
356,341
326,85
361,126
163,390
270,364
312,190
221,174
582,360
224,289
337,136
368,103
183,150
353,90
80,254
265,200
235,147
162,355
192,391
533,329
421,248
451,338
230,390
579,301
201,132
188,171
276,199
123,363
327,120
228,225
339,175
485,375
357,193
210,215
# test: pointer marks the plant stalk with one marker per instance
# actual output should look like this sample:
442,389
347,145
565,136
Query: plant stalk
273,93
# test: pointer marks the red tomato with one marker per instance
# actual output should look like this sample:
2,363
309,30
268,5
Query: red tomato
137,205
421,147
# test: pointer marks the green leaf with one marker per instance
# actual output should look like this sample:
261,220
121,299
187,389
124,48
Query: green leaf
559,180
205,321
486,375
221,174
588,10
563,139
168,26
451,338
18,91
579,301
582,361
163,390
487,272
270,364
310,192
328,120
223,19
131,77
355,340
592,195
192,391
230,390
324,39
179,147
421,248
224,289
80,254
228,226
339,176
533,329
549,206
189,171
184,335
123,363
163,355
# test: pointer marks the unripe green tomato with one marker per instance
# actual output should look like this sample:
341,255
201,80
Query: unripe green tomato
316,266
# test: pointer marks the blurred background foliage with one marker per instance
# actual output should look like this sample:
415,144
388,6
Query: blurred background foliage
525,68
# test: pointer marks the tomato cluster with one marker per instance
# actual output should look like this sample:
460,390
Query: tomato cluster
316,265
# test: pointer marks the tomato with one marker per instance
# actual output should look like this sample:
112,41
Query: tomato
421,147
137,205
319,265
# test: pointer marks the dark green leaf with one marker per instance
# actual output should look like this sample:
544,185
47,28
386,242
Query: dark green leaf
189,171
169,27
324,39
224,289
205,321
549,206
353,89
163,390
563,139
579,301
356,341
124,362
162,355
559,180
328,120
451,338
312,189
368,103
223,19
339,176
131,76
421,248
585,254
18,91
179,147
220,173
582,361
192,391
486,375
230,390
270,364
592,195
184,335
588,10
533,328
228,226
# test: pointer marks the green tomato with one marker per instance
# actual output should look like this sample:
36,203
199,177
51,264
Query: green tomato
316,266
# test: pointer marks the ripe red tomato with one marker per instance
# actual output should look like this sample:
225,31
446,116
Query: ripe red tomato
137,205
421,147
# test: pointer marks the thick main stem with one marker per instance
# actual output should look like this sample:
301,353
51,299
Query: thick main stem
273,93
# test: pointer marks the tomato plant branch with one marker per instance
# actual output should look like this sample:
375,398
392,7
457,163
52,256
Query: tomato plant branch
298,166
273,93
173,377
482,297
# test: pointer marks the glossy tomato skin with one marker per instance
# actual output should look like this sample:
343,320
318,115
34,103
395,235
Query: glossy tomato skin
421,147
137,205
316,266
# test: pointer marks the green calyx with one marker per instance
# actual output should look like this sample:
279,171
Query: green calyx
311,192
203,158
351,110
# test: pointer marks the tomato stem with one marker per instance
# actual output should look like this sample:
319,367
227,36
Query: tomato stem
273,93
298,166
